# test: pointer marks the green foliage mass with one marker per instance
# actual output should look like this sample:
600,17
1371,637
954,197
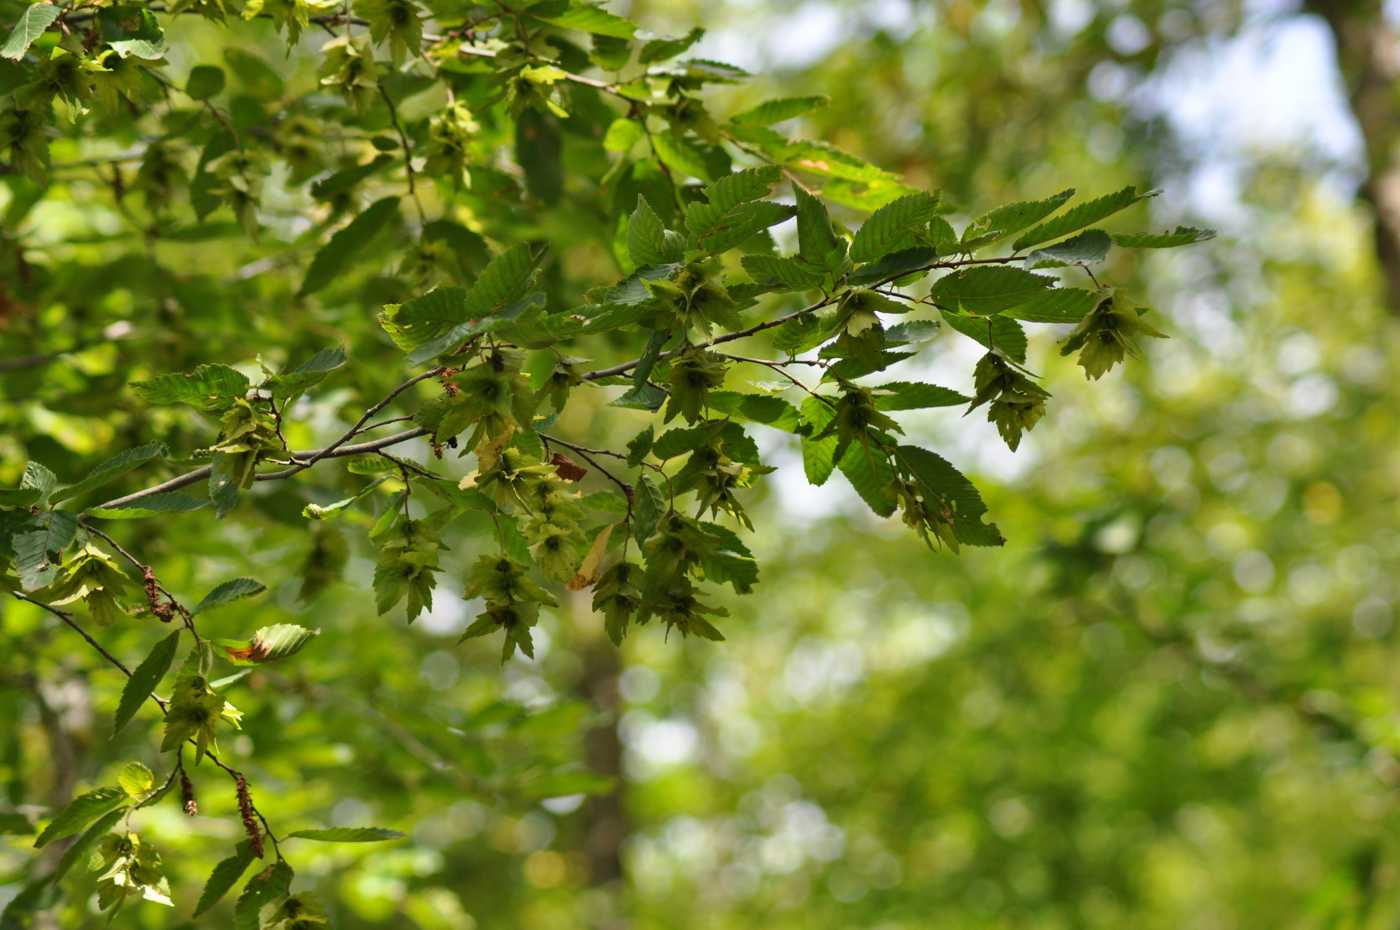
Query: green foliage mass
490,293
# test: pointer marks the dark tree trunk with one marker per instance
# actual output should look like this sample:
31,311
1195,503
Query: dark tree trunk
1368,55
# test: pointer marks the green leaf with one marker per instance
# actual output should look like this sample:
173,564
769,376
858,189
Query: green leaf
153,506
987,289
893,227
942,483
646,237
13,823
640,397
743,223
740,187
339,253
996,332
1089,246
592,19
915,395
1086,214
1182,235
869,472
211,388
288,384
79,847
817,242
1056,305
136,780
228,592
818,456
770,411
1014,217
318,512
647,509
35,486
111,470
792,273
775,111
144,49
262,889
663,48
31,24
502,282
34,543
622,134
205,81
268,644
144,679
82,811
225,875
683,158
347,835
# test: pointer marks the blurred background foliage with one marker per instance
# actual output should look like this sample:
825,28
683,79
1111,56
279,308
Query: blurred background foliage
1169,702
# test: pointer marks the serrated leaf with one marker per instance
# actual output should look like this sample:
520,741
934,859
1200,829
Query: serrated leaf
34,543
770,411
942,483
1089,246
647,508
646,237
347,835
340,252
502,282
661,48
144,679
679,155
1056,305
817,242
915,395
818,456
742,223
267,886
144,49
1013,217
893,227
268,644
228,592
1182,235
987,289
640,397
31,24
153,506
1076,218
211,388
82,811
79,847
776,111
225,875
112,469
742,187
308,374
998,332
869,472
592,19
792,273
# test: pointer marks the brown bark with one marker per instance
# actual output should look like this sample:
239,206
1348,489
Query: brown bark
1368,55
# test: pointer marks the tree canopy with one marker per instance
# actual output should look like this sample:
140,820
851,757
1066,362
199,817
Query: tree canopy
378,296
